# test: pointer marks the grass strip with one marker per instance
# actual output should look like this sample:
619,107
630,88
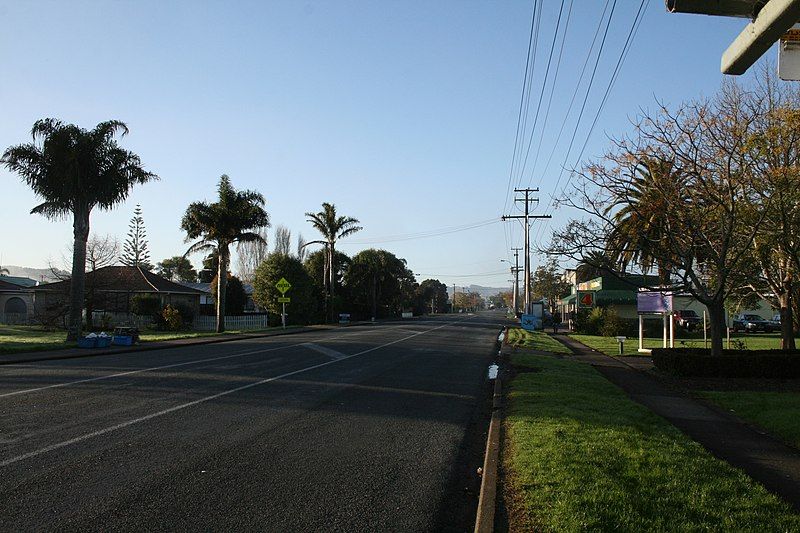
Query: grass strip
537,340
777,412
580,455
610,346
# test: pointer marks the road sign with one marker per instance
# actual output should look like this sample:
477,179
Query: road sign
585,299
283,285
284,300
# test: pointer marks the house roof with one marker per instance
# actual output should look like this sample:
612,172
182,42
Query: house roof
125,278
10,287
18,281
206,287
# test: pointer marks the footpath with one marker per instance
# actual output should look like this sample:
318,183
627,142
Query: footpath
74,353
763,457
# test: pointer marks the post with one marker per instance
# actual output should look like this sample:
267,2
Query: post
283,315
705,330
671,331
454,297
664,315
641,333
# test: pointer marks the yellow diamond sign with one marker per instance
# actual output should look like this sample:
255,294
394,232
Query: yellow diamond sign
283,285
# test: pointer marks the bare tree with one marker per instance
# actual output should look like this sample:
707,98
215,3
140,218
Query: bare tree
283,240
250,255
302,251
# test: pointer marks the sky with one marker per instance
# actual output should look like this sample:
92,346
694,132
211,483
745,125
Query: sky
403,114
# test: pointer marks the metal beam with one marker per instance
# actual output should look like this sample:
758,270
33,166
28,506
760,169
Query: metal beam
723,8
774,19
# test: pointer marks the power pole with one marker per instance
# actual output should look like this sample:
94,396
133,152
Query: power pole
527,226
515,271
454,297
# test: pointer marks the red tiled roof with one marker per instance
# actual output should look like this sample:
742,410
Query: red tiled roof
124,278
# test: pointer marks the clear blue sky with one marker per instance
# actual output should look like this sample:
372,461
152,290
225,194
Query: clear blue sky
401,113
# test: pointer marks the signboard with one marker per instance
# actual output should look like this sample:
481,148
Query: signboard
654,302
284,300
530,322
585,299
344,318
283,285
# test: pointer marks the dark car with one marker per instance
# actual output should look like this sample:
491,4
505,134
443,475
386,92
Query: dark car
687,319
752,323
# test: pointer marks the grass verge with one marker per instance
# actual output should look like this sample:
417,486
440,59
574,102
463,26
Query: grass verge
777,412
610,346
537,340
19,339
580,455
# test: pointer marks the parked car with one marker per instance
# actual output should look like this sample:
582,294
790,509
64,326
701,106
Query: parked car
687,319
752,323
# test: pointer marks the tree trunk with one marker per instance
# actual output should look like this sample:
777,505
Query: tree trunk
332,281
77,283
787,320
222,285
716,316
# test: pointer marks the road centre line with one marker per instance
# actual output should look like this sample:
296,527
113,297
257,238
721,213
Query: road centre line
186,405
174,365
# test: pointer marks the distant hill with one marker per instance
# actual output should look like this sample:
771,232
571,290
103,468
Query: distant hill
485,292
44,275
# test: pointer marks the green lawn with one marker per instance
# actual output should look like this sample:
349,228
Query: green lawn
579,455
610,346
777,412
15,339
536,340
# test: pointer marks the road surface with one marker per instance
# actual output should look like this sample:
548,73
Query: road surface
362,428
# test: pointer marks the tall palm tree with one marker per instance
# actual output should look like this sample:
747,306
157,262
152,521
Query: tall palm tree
237,216
332,227
75,170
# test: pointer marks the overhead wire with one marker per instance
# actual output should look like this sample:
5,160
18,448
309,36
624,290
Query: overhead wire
447,230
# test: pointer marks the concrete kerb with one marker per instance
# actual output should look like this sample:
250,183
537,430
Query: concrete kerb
487,499
53,355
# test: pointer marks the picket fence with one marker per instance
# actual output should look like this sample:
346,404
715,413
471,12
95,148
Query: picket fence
209,323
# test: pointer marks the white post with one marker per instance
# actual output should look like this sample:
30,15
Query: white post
671,331
705,330
666,332
641,332
283,315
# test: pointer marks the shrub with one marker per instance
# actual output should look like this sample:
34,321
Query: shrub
612,325
698,362
172,318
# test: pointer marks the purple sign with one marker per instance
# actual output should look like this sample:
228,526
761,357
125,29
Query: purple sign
654,302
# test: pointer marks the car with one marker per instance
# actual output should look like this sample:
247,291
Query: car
687,319
752,323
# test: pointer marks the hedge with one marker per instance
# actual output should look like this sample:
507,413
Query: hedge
698,362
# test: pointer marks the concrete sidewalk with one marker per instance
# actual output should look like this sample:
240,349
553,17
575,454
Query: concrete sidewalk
763,457
74,353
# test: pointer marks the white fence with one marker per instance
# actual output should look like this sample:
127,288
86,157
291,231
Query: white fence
209,323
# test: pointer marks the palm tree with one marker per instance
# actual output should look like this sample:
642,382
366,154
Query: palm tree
641,225
74,170
332,228
237,216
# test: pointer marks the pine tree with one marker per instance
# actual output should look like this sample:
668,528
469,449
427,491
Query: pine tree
135,251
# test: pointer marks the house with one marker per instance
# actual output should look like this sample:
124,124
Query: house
16,300
208,303
110,289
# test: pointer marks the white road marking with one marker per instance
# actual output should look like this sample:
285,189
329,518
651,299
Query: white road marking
333,354
174,365
186,405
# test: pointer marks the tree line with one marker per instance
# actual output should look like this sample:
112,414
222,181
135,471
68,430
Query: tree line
74,171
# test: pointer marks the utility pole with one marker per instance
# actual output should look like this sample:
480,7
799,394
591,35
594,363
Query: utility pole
454,297
527,226
515,271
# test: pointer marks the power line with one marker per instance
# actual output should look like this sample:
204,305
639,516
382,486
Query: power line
425,234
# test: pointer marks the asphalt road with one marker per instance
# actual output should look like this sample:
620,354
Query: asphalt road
363,428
